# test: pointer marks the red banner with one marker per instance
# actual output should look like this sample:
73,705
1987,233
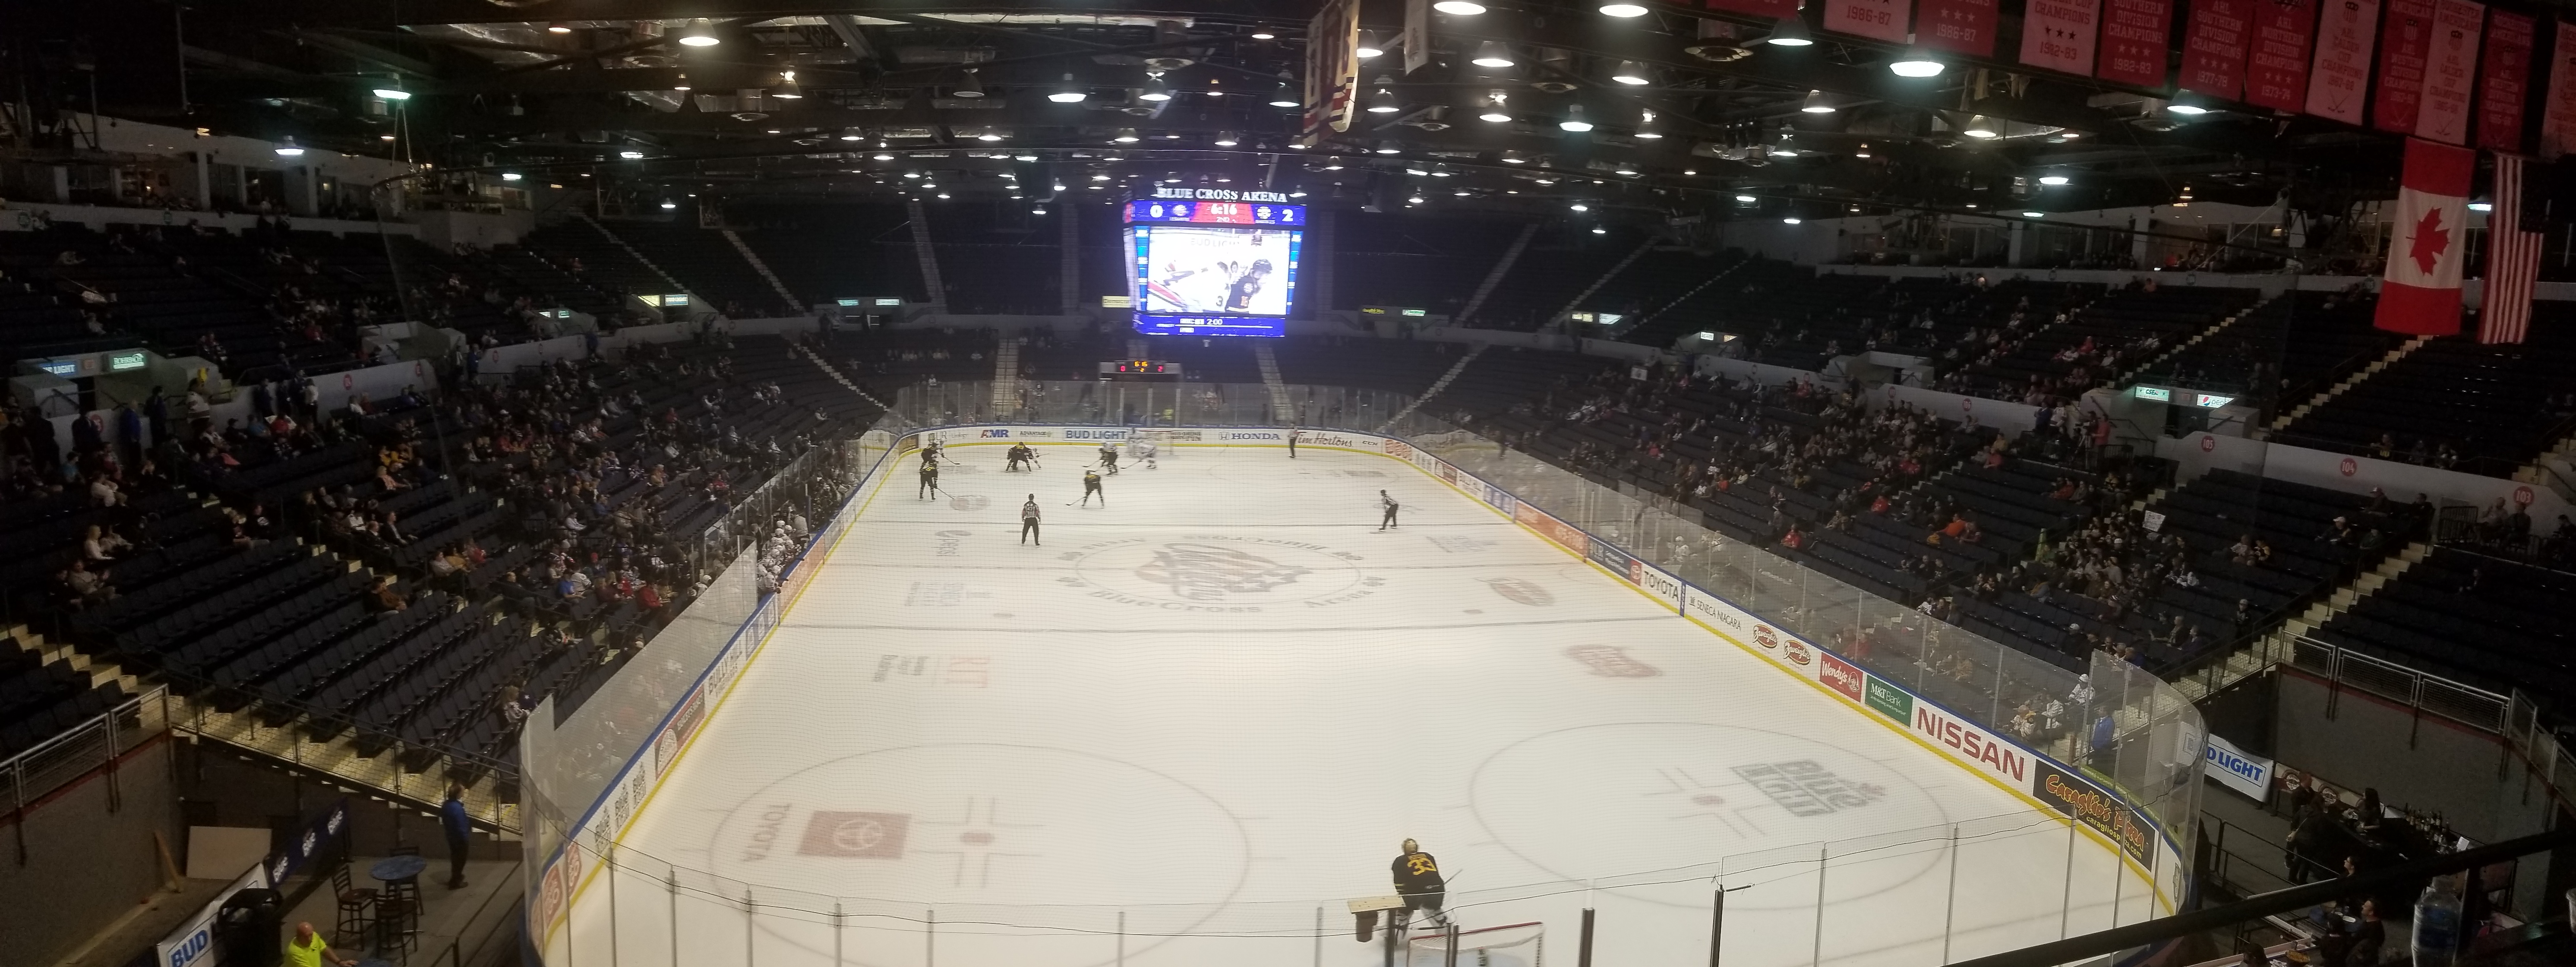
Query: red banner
2558,114
1886,20
2506,82
1774,9
2403,44
2134,41
2059,34
2276,73
2450,71
2213,47
2340,81
1959,26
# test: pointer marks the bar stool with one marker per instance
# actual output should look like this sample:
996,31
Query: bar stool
357,905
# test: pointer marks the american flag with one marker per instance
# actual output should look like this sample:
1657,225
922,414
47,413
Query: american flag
2513,260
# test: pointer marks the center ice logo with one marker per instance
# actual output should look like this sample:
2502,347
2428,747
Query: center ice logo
1206,572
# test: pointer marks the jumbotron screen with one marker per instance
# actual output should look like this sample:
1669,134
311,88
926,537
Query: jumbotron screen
1214,268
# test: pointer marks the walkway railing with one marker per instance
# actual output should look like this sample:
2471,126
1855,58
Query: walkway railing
28,777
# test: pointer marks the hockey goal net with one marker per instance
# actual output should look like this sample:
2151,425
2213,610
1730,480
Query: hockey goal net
1510,945
1159,442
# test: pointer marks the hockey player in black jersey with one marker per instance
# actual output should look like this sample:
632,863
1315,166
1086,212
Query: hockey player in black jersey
1091,487
1018,456
929,478
1417,879
1109,458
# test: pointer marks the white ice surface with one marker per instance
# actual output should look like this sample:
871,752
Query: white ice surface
1216,706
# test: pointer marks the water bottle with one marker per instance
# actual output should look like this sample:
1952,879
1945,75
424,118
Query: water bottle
2437,924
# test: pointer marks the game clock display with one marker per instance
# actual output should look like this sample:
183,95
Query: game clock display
1214,268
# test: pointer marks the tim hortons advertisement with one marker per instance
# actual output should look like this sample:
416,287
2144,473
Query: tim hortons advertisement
2080,798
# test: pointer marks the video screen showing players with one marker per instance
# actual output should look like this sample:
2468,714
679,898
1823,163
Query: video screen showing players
1231,271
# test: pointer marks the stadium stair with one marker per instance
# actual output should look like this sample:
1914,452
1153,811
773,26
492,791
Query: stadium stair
761,267
1006,376
837,376
2180,345
1280,406
1502,267
1621,266
928,257
1436,385
631,252
2279,646
1627,326
2283,421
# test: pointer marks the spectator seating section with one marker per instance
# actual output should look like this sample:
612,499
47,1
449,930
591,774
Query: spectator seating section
827,253
2498,406
1405,260
2284,352
1562,260
2484,621
705,262
997,260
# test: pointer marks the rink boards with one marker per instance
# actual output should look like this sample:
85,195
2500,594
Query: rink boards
2104,816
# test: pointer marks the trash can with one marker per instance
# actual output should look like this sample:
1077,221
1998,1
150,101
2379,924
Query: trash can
246,929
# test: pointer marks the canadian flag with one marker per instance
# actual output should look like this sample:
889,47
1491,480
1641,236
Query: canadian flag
2421,293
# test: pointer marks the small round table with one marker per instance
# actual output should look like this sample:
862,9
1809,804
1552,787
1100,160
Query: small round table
401,877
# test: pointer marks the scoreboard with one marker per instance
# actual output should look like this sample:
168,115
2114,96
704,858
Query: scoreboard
1254,214
1140,369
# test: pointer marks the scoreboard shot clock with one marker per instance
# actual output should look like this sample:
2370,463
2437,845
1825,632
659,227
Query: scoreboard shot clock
1141,370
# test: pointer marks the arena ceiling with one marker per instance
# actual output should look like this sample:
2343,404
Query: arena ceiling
821,99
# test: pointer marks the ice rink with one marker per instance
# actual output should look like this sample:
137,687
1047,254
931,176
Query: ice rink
1197,720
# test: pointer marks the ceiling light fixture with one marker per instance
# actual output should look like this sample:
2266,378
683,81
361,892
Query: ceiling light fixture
2034,214
1382,102
1285,95
668,205
787,87
1816,103
1263,32
1915,62
1226,139
558,27
1622,10
1579,206
2053,179
681,83
1369,45
1492,53
1068,92
393,93
988,135
1574,119
1981,127
1598,230
1463,8
1791,32
700,34
289,149
1631,73
2481,206
1494,107
1155,89
1744,199
1125,136
1646,129
972,86
1388,147
1863,152
631,155
1793,220
510,176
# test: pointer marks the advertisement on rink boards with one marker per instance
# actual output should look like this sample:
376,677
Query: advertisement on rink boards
2237,769
2085,800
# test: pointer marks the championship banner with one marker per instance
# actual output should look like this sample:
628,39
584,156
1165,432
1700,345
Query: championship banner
2450,72
1332,68
2276,72
2059,34
2213,47
1417,34
2340,82
1958,26
2505,82
2558,114
2403,46
1888,20
2134,45
2421,293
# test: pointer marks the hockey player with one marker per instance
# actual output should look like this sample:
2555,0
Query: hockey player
1090,486
1109,457
932,451
1417,879
1145,449
1292,443
1389,504
1019,454
929,478
1029,520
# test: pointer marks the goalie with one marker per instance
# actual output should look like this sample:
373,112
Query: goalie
1019,457
1142,449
